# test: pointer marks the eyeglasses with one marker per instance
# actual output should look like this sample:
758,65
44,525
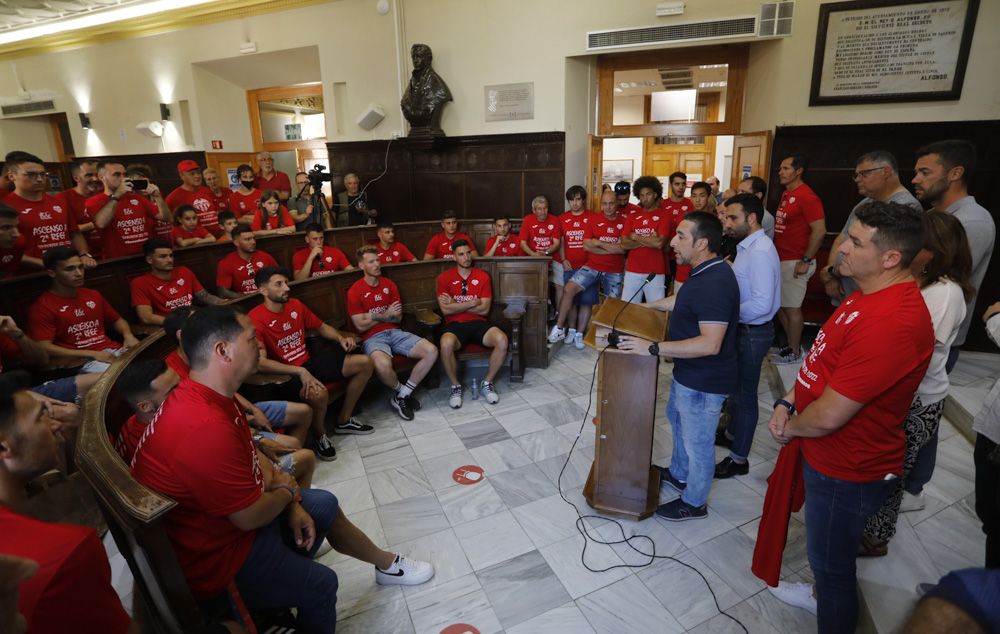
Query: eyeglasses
35,175
862,173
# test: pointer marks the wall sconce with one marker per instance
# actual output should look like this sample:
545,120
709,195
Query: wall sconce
85,120
164,112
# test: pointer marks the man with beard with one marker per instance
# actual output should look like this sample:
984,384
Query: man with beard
645,234
84,173
166,286
193,192
758,273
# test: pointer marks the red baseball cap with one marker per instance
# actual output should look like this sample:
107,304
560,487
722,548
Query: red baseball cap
187,165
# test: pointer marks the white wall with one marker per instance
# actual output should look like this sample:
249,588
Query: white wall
31,134
626,148
723,148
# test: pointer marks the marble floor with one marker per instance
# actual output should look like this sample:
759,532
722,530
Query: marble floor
507,550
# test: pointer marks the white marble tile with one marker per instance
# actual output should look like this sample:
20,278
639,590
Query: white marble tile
425,421
566,619
626,607
500,456
541,395
587,434
544,444
347,466
750,617
756,480
546,520
795,556
467,502
481,432
953,538
730,556
394,452
523,422
735,501
576,471
411,518
385,432
955,455
440,550
510,402
392,485
949,487
390,617
439,470
493,539
354,495
522,485
683,593
648,537
357,591
461,600
564,559
561,412
436,443
694,532
471,410
522,587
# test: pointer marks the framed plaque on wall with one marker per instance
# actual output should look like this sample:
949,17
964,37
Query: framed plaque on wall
882,51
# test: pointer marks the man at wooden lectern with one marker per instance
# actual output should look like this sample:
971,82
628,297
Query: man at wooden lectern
702,343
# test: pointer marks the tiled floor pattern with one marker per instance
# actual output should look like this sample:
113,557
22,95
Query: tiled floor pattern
508,555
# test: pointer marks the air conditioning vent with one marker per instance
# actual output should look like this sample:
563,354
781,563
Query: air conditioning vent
776,19
644,36
27,107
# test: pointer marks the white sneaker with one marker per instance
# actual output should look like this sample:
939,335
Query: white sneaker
578,341
912,502
489,392
557,334
455,400
404,572
798,594
570,335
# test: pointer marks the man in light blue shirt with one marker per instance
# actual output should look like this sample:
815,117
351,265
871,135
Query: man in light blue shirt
758,273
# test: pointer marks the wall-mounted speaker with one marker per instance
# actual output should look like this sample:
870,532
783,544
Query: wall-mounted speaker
371,117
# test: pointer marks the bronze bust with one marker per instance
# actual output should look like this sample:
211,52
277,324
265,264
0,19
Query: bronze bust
425,97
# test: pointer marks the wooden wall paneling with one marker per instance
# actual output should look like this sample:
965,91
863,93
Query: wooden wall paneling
491,194
832,150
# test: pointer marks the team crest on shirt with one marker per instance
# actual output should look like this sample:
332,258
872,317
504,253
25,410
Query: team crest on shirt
44,215
57,209
386,290
91,305
294,314
656,218
791,199
286,326
475,282
173,290
395,253
201,204
576,224
180,282
134,201
329,259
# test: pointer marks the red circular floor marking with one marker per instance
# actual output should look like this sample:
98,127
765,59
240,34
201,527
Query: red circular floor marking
459,628
469,474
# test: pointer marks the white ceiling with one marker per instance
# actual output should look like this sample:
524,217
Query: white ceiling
16,14
263,70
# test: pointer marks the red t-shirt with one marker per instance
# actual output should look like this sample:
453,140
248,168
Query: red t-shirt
244,204
283,334
133,224
77,205
77,323
677,211
279,182
71,592
510,247
647,223
610,232
236,274
875,350
796,210
397,252
573,228
199,452
332,260
283,219
203,201
221,202
440,245
45,224
177,364
476,285
8,349
364,298
162,295
629,208
128,438
179,233
10,259
540,235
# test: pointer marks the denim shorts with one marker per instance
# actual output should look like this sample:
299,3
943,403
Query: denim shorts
275,412
59,389
394,341
588,279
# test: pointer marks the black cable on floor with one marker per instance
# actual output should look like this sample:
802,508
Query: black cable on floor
581,524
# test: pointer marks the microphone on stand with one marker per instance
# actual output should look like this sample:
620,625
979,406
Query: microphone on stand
614,336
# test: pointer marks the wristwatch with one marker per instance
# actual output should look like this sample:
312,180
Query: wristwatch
789,406
654,349
807,259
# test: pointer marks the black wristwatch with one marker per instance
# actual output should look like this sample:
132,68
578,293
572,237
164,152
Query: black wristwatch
807,259
654,349
790,407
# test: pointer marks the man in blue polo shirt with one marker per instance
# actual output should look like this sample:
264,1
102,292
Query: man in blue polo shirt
758,273
702,343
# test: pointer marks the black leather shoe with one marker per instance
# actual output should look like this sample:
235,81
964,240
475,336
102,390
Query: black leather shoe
721,439
729,468
666,476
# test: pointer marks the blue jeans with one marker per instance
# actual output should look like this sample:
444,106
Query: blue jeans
693,417
836,512
752,343
277,574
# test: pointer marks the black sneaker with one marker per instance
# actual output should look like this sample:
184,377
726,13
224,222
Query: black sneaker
402,407
721,439
678,511
729,468
353,426
414,403
666,476
324,449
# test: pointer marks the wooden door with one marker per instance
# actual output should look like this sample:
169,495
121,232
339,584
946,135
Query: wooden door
751,156
222,162
595,168
663,159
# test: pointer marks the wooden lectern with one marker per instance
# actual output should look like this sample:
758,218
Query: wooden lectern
622,480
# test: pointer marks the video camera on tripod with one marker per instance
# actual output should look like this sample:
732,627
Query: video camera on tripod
317,176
